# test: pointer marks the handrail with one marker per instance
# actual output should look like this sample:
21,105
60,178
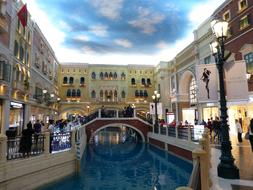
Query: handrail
194,181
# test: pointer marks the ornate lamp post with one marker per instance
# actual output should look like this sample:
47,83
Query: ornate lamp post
156,98
226,168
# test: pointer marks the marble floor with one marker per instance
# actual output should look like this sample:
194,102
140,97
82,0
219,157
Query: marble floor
244,161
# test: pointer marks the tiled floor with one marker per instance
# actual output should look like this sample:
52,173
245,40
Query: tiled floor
244,161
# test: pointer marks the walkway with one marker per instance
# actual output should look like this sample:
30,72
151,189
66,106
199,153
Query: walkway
244,161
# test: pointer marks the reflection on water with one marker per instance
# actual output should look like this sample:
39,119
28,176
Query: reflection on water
117,135
123,165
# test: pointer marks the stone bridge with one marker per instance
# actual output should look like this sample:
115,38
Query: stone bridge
139,125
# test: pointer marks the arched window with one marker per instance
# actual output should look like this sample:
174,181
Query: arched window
65,80
101,93
21,53
106,93
110,93
193,91
78,93
143,81
71,80
137,93
82,80
93,94
115,94
148,81
93,75
123,76
106,75
145,93
16,48
68,93
115,75
110,75
17,75
101,75
123,94
133,81
141,93
73,93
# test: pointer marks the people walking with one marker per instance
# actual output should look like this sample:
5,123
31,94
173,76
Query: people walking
239,130
26,141
250,131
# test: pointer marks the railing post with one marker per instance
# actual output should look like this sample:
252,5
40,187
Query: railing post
99,113
176,131
73,140
134,113
47,143
3,148
117,113
159,129
167,130
189,134
204,169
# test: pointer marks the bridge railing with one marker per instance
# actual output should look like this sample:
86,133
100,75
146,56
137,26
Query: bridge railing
187,132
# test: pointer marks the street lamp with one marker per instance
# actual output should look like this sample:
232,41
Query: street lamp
226,168
156,98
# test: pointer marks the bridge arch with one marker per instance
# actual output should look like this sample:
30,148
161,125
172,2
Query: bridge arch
118,125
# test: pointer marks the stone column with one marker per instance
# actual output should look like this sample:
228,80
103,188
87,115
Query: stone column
176,130
3,149
99,113
5,116
134,112
117,113
26,114
189,133
73,140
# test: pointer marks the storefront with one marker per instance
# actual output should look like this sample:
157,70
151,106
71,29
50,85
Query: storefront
16,119
189,115
1,110
40,113
210,113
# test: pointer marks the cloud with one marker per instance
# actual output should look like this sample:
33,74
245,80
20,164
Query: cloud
147,20
99,30
82,38
202,11
123,42
65,26
161,44
108,8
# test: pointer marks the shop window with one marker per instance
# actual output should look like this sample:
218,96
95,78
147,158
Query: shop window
68,93
249,62
101,75
93,75
243,4
123,76
141,93
123,94
244,22
143,81
133,81
73,93
78,93
145,93
16,117
16,47
93,94
137,93
71,80
82,80
115,75
207,60
193,91
65,80
230,31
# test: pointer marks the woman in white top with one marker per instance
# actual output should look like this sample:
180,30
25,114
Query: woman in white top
239,130
250,130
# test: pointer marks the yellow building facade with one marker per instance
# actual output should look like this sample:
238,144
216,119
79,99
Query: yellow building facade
84,88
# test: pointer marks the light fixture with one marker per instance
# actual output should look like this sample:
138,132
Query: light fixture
248,75
44,91
52,95
58,99
219,28
214,47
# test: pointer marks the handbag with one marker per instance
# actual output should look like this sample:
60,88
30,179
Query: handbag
246,136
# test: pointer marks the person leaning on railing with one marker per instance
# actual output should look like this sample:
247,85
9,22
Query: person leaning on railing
25,146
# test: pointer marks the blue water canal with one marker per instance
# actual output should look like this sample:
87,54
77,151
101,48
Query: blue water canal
115,164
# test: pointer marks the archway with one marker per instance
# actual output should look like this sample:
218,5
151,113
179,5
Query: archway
118,125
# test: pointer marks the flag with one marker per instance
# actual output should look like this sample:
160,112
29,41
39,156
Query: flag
22,15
